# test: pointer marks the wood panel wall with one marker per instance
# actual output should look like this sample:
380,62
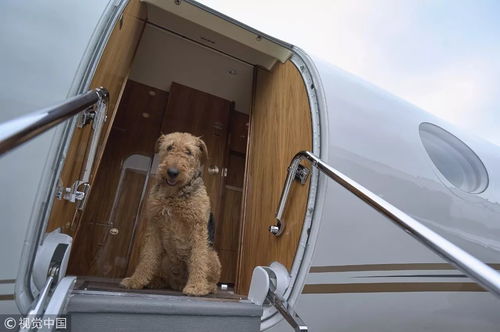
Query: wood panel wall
280,126
111,73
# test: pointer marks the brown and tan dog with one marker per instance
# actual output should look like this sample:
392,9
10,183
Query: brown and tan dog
176,252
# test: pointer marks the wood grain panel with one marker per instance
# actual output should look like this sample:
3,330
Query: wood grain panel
137,9
205,115
236,170
111,73
227,234
135,131
140,228
137,241
112,255
280,126
201,114
239,132
228,259
228,226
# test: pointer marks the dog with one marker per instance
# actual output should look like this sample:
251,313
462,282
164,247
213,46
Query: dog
177,250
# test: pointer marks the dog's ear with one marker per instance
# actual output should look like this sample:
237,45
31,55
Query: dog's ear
203,150
159,142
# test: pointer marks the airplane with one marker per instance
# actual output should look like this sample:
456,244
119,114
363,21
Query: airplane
338,206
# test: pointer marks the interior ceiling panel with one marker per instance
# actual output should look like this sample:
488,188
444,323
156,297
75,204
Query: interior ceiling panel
164,57
212,31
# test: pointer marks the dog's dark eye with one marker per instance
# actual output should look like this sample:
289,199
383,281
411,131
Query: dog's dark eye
170,147
189,153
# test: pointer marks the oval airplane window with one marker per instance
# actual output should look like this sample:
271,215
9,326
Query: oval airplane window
454,159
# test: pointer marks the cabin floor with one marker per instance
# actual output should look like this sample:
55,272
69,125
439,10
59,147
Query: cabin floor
113,285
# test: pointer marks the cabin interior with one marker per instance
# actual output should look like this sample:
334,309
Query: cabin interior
174,67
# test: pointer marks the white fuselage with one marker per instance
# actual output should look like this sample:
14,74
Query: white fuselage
358,271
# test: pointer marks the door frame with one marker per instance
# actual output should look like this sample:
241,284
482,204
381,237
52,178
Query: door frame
317,189
37,225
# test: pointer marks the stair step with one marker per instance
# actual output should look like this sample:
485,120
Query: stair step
125,311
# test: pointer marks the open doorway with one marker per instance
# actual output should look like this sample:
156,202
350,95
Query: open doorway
252,109
111,248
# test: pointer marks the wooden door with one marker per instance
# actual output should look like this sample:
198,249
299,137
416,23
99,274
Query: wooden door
280,126
108,227
202,114
111,73
228,226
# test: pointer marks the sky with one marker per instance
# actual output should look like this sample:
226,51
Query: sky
440,55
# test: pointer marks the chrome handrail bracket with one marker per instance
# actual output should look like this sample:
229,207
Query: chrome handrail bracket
470,265
97,115
278,229
15,132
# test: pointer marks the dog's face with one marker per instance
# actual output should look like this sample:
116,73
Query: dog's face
181,158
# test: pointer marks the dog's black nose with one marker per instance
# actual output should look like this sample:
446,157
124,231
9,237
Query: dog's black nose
172,172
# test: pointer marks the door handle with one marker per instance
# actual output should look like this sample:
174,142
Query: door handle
213,170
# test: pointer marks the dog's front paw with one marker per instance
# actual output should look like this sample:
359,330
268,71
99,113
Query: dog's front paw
131,283
197,290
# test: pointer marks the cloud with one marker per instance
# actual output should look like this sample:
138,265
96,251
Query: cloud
440,56
455,92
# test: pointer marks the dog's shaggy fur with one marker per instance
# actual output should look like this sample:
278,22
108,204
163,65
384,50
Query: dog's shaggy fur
176,252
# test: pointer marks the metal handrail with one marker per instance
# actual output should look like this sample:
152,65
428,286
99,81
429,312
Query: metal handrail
471,266
18,131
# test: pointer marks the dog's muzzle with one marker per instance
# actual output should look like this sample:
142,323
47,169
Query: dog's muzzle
172,173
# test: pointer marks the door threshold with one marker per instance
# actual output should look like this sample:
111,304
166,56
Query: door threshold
101,285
